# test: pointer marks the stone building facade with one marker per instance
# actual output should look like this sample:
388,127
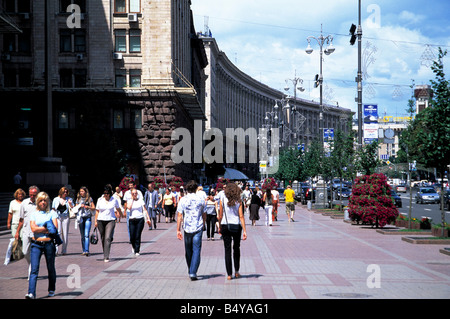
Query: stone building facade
123,74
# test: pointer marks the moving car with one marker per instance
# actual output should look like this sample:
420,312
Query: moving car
397,199
401,188
427,195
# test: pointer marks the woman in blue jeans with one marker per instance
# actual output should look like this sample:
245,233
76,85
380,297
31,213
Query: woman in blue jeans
231,212
42,243
86,206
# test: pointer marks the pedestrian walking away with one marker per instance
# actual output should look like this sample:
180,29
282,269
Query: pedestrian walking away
84,207
268,206
211,215
232,226
135,208
192,215
255,204
42,243
107,210
61,205
289,194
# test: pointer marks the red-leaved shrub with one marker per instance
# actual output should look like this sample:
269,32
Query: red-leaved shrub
371,201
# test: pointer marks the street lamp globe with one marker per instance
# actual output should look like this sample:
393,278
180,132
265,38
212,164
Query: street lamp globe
309,50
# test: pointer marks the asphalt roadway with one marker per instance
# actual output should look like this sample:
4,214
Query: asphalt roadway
315,257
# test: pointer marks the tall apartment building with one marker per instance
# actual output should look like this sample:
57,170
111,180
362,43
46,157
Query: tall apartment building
122,75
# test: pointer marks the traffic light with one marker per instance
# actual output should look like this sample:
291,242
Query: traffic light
316,81
352,33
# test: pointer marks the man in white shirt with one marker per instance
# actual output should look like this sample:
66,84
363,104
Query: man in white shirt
192,213
27,207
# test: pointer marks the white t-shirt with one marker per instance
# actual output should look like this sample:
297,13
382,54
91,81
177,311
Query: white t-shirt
135,208
14,210
231,212
106,208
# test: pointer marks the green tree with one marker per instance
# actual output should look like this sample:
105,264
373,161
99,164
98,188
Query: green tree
428,136
290,165
367,160
312,163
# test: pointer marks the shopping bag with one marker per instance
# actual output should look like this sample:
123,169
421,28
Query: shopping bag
8,252
17,253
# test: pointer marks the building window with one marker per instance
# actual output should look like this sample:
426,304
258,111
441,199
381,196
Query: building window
135,78
136,119
120,6
65,78
118,119
24,77
24,44
120,40
9,6
121,78
63,120
9,42
23,6
135,6
65,40
63,4
10,78
135,40
80,78
80,40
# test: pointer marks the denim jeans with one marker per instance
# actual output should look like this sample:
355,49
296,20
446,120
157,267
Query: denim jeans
85,229
193,247
49,251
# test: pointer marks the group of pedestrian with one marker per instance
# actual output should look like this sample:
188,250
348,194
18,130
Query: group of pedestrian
36,218
37,221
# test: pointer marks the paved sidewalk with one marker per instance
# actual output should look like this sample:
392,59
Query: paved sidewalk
314,257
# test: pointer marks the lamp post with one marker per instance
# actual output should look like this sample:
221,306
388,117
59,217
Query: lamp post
321,40
295,81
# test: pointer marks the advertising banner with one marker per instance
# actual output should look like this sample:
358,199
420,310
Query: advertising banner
370,114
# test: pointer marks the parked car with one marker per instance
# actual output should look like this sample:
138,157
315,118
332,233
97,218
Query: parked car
397,199
427,195
300,194
346,192
401,188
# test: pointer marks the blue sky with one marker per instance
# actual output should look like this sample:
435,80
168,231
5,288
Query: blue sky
267,40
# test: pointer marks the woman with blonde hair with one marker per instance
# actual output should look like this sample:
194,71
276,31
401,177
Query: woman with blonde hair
43,222
232,226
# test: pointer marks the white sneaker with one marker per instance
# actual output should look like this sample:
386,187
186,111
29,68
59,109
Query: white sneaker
29,296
